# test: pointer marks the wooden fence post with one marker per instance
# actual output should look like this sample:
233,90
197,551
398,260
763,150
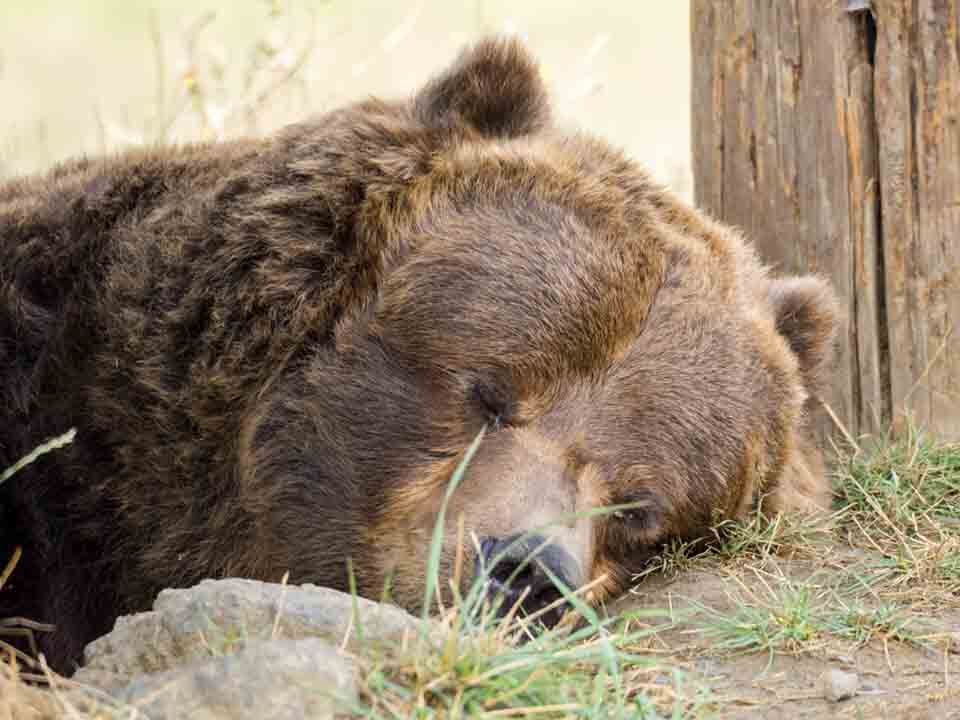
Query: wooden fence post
829,131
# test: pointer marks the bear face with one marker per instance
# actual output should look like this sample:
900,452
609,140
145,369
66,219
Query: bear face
546,290
277,352
596,361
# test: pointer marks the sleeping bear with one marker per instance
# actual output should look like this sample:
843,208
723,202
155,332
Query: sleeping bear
276,353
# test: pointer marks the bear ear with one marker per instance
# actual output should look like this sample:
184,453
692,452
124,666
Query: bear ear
494,87
807,314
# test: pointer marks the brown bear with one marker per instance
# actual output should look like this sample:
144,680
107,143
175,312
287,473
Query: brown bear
277,351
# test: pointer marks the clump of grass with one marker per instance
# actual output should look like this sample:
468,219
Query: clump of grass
911,481
922,568
18,698
29,689
777,615
675,558
767,618
756,537
862,623
485,672
901,501
782,535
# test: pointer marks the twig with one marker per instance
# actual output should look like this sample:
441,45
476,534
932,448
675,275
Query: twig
283,595
841,426
11,564
49,446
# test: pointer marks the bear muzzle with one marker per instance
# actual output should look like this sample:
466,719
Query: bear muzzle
525,568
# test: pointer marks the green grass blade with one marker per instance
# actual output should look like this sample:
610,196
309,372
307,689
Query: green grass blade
436,543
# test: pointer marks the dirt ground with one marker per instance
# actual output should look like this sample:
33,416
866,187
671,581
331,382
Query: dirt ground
898,679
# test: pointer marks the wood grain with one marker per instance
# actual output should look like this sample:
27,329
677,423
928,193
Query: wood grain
833,139
918,111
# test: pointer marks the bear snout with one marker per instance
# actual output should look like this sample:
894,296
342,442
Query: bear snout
521,568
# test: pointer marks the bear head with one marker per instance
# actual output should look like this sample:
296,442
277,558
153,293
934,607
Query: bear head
637,373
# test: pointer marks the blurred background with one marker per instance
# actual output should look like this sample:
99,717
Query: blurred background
89,76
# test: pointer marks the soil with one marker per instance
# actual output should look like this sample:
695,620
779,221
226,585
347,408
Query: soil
898,680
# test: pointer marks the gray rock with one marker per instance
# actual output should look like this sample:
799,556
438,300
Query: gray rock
273,679
839,685
219,617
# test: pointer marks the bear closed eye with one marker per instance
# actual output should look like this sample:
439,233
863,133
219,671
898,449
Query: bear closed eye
276,353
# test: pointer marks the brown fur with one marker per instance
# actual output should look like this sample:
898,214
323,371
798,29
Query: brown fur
276,352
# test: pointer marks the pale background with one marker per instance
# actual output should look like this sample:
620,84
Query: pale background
84,76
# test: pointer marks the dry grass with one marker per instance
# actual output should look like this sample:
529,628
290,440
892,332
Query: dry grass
20,700
901,500
29,690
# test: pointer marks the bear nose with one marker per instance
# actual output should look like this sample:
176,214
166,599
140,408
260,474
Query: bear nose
522,565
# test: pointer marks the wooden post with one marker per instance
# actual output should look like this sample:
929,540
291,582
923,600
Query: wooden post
829,130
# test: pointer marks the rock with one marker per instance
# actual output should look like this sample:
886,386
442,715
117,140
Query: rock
240,649
273,679
219,617
839,685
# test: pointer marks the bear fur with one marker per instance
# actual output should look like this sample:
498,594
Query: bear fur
276,352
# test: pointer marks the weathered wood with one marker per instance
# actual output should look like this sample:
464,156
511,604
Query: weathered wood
918,111
785,149
837,149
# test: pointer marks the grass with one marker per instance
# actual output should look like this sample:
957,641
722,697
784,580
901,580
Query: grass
774,614
747,541
861,623
781,619
484,672
901,500
759,537
909,482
